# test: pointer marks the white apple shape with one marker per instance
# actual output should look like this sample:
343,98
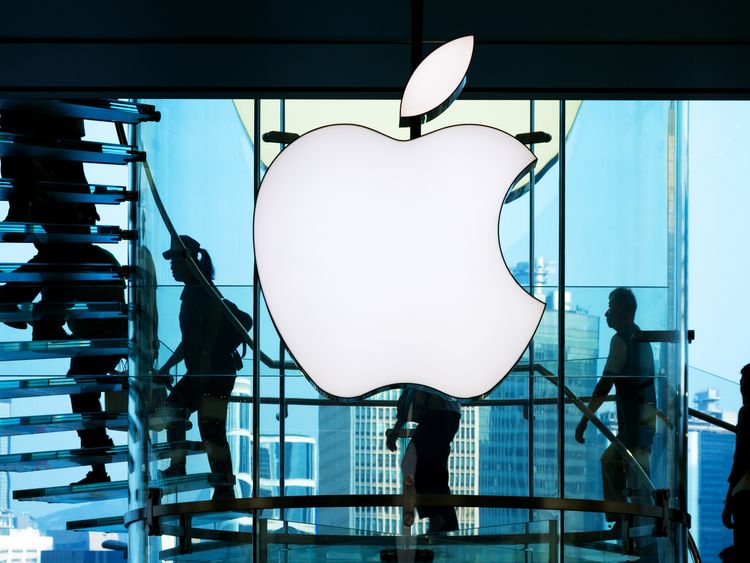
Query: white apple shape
380,262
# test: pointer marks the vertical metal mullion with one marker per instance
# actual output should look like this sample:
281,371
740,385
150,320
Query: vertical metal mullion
282,369
530,403
256,337
417,37
532,182
681,256
561,327
138,442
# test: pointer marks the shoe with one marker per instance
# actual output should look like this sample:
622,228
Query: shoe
169,417
93,477
172,471
46,332
439,524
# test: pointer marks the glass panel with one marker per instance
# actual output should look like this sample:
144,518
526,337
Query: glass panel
624,326
66,306
507,443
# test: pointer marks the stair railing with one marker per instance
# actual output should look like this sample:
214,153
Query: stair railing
207,285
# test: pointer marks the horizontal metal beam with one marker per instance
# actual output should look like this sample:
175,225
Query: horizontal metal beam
551,70
339,501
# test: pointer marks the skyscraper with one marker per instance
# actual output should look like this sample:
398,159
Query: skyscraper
4,449
352,440
711,450
504,455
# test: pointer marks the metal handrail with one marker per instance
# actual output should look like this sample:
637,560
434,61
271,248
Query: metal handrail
591,417
712,420
213,292
396,500
693,549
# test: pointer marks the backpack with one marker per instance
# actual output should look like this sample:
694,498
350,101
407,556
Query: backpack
229,336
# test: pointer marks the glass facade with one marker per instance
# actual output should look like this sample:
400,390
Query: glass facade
231,452
603,209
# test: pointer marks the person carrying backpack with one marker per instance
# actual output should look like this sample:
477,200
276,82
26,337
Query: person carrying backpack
211,362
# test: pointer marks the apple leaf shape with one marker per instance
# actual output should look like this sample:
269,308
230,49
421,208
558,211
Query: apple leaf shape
437,81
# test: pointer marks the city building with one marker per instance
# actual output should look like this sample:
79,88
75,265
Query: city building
20,540
710,455
355,460
5,487
504,430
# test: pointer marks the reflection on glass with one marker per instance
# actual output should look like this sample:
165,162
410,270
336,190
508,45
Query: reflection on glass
437,422
211,361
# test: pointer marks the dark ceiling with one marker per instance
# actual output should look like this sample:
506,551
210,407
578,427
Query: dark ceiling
333,48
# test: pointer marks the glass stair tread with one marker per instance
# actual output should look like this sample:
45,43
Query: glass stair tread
44,423
39,461
97,110
103,524
60,192
28,146
211,551
46,349
46,387
73,494
460,549
185,483
60,272
29,312
213,519
574,553
49,233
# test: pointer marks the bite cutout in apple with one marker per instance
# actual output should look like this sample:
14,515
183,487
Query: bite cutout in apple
380,262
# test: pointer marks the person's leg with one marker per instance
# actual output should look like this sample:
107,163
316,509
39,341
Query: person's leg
637,487
433,440
212,422
613,478
89,403
184,399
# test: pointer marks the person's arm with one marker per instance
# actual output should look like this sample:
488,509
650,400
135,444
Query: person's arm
175,358
616,360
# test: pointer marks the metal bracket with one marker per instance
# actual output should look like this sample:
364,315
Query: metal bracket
409,499
185,541
153,498
663,524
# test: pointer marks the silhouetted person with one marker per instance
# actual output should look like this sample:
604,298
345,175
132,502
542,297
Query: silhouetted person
211,365
51,328
736,514
29,202
437,421
630,370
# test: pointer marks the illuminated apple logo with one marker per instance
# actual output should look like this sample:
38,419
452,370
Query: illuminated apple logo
379,259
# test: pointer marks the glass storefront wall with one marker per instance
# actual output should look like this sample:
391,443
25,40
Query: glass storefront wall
604,209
